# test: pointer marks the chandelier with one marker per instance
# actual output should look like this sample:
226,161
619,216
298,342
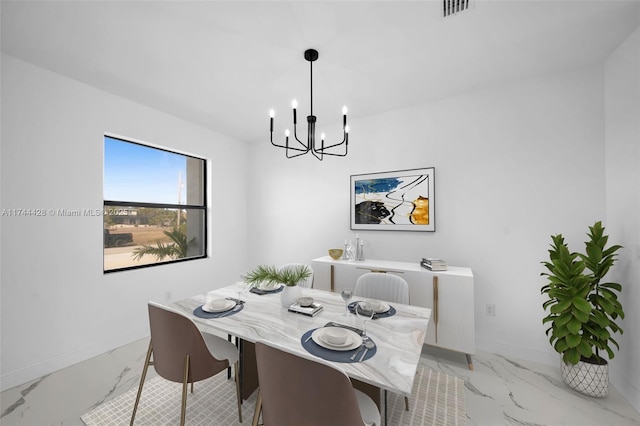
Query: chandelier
298,147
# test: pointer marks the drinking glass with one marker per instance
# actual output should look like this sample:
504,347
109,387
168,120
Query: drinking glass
364,310
242,287
347,294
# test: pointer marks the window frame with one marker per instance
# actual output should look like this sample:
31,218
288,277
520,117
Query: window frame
136,204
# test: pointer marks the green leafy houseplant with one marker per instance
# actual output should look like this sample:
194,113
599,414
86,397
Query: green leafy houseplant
582,308
271,275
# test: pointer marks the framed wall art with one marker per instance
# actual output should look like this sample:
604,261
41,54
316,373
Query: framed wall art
394,201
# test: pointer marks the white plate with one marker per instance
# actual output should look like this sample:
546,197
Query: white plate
218,305
268,287
380,307
353,340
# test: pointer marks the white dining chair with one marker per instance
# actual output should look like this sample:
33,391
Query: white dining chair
308,283
383,286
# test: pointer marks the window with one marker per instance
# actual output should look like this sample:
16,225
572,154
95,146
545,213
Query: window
154,206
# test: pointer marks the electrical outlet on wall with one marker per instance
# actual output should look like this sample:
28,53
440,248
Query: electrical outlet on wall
490,310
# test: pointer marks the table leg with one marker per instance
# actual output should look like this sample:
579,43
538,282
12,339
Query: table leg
248,369
386,421
229,369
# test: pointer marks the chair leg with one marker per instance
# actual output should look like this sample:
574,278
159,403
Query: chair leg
258,410
144,375
406,403
229,369
185,386
238,397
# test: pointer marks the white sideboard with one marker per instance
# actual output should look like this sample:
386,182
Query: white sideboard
449,295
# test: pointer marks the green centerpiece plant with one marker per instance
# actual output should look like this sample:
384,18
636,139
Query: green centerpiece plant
583,310
271,276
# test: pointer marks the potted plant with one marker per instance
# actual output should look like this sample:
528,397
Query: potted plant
272,276
583,310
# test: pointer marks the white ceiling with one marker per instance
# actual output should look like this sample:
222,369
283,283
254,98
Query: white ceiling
223,65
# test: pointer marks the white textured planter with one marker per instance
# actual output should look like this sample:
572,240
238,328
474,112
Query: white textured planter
289,295
586,378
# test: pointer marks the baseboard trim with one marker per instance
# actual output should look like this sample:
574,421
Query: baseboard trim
550,357
624,386
51,365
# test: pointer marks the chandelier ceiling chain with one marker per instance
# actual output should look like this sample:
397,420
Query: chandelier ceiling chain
302,148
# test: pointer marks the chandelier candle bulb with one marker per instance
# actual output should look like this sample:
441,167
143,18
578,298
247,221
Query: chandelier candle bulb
294,105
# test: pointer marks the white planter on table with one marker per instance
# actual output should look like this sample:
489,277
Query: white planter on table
289,295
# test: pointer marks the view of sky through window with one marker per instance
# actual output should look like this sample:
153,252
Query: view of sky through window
134,172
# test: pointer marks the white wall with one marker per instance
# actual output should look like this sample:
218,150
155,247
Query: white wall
513,165
57,306
622,101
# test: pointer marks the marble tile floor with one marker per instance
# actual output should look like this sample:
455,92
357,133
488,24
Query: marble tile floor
499,391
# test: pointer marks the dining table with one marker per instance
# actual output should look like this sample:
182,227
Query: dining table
260,316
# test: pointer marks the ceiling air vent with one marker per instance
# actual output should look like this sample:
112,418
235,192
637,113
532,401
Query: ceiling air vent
451,7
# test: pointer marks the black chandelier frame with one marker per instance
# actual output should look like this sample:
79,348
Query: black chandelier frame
311,55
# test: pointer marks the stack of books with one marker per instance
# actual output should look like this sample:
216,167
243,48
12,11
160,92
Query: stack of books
433,264
311,310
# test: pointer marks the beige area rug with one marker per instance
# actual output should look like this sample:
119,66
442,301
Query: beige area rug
437,399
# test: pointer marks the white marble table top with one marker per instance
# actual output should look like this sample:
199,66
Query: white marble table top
399,338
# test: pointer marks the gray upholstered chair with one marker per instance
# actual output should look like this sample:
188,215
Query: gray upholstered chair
383,286
303,392
308,283
183,354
